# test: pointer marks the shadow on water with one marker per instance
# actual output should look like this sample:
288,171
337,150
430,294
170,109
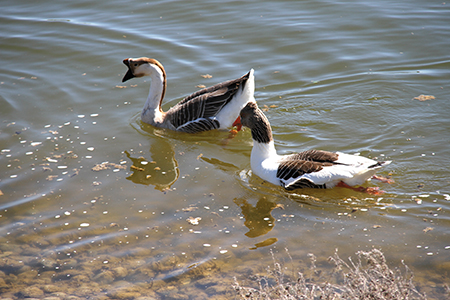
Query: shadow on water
161,171
258,219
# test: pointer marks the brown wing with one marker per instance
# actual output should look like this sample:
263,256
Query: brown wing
296,165
204,104
316,155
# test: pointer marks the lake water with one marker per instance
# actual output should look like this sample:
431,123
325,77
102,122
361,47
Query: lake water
94,203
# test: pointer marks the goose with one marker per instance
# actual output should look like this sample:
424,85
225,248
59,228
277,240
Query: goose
308,169
211,108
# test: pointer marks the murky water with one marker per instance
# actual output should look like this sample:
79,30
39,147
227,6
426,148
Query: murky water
96,204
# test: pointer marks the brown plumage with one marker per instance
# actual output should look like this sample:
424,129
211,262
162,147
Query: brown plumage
312,168
211,108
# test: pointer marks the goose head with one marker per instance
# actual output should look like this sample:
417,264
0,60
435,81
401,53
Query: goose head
252,117
143,66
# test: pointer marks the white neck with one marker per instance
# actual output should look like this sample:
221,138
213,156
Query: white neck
264,161
152,112
262,151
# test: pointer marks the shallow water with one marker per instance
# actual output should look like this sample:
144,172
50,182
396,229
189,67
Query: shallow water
94,203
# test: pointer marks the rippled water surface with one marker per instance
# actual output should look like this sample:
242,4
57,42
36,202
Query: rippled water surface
94,203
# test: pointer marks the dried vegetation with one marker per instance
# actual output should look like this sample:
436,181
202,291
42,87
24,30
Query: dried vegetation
369,277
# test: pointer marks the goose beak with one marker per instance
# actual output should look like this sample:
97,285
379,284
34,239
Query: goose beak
238,123
129,74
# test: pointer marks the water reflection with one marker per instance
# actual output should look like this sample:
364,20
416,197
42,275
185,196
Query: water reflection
258,218
265,243
161,171
224,166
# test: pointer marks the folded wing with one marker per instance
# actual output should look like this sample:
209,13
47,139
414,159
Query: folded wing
197,112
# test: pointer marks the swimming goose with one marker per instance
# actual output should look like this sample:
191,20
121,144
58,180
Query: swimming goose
308,169
215,107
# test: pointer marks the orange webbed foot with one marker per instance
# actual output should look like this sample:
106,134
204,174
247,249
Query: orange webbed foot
372,190
367,190
383,179
231,134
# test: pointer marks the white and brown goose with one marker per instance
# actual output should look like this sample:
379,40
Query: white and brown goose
308,169
216,107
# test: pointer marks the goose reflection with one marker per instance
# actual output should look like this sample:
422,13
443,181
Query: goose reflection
258,219
161,171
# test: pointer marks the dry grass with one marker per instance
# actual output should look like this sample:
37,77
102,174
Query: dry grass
369,277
